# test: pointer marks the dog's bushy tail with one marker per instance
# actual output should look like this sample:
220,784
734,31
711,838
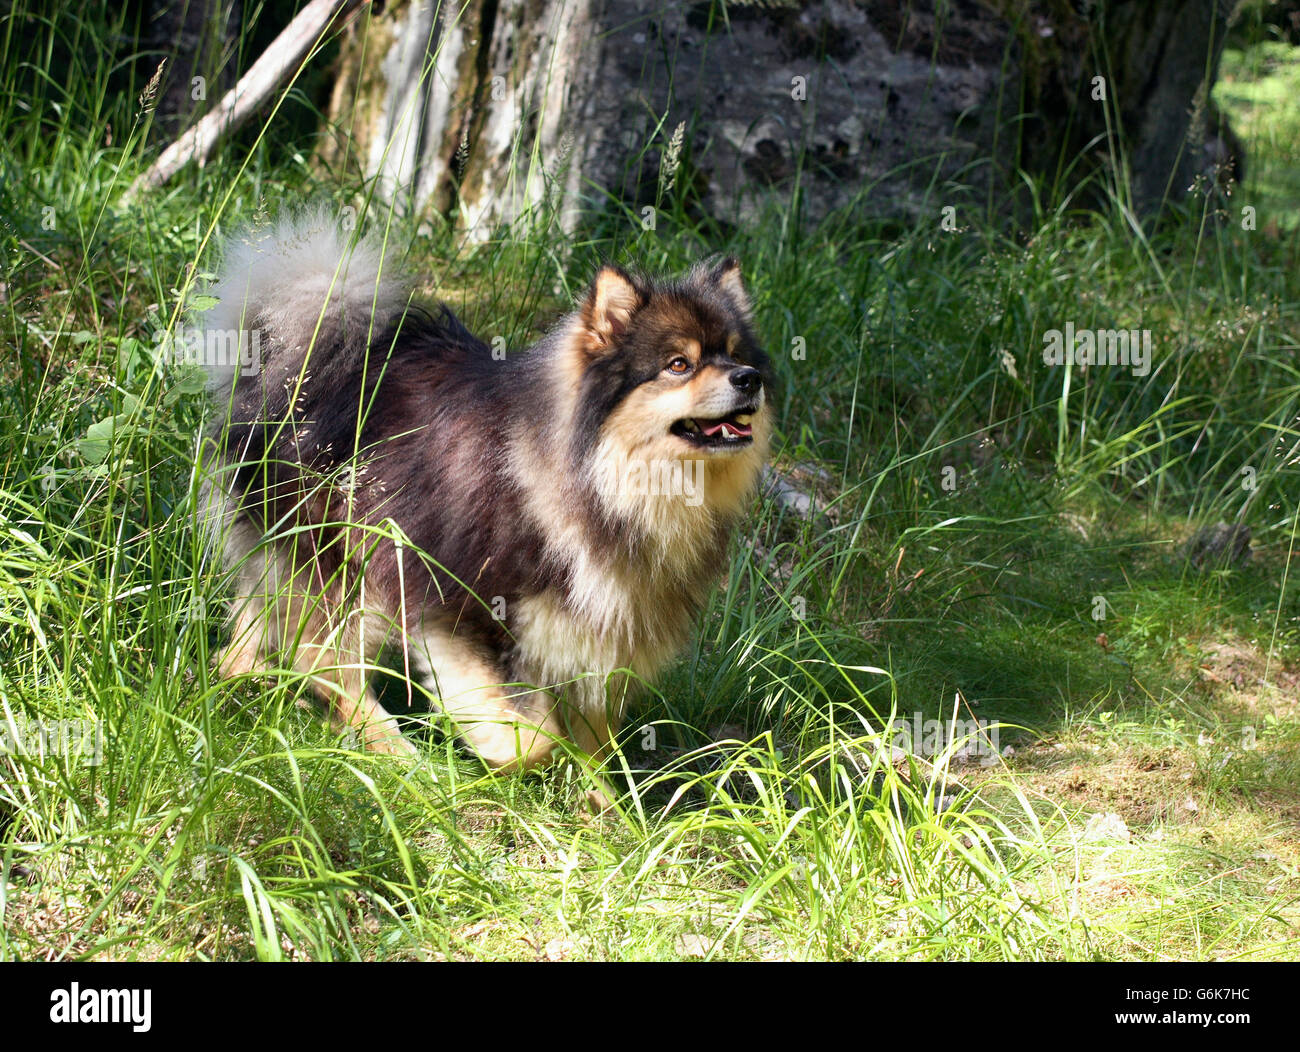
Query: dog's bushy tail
302,281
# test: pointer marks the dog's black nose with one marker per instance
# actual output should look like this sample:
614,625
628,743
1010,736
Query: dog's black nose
746,378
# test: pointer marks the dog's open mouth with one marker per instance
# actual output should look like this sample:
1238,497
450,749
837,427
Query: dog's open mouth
723,432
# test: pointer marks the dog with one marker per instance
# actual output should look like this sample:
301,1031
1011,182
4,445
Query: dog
529,535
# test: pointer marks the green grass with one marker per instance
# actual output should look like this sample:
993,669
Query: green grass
1257,89
976,506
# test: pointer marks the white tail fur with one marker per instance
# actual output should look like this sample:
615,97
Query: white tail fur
302,275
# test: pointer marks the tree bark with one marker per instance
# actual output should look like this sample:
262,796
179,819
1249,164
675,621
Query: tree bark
196,38
271,70
454,107
477,110
1159,60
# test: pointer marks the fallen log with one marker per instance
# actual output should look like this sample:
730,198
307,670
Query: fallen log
282,58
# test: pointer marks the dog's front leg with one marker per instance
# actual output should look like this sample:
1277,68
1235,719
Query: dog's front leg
507,726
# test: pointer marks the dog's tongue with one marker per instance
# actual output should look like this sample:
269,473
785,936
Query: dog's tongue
729,428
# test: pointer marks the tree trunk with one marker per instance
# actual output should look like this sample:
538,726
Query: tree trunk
476,109
197,39
1159,60
456,107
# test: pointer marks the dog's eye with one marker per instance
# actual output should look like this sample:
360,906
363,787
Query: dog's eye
679,366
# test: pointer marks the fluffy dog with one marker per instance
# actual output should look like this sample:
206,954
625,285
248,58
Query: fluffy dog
528,533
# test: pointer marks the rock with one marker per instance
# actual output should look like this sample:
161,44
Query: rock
780,487
1219,545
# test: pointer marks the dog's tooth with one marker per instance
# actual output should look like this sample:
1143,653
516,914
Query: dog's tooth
743,418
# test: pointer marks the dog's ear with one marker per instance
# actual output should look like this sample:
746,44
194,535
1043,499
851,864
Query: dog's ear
724,276
608,309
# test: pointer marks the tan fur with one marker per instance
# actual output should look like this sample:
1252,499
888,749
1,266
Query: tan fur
282,610
613,619
691,349
637,432
507,727
613,299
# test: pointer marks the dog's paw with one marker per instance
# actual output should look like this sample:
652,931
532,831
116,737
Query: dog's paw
387,744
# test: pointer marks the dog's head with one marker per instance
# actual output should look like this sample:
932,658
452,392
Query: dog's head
673,370
673,392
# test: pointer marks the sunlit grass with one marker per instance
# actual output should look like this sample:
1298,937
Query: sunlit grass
1257,89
